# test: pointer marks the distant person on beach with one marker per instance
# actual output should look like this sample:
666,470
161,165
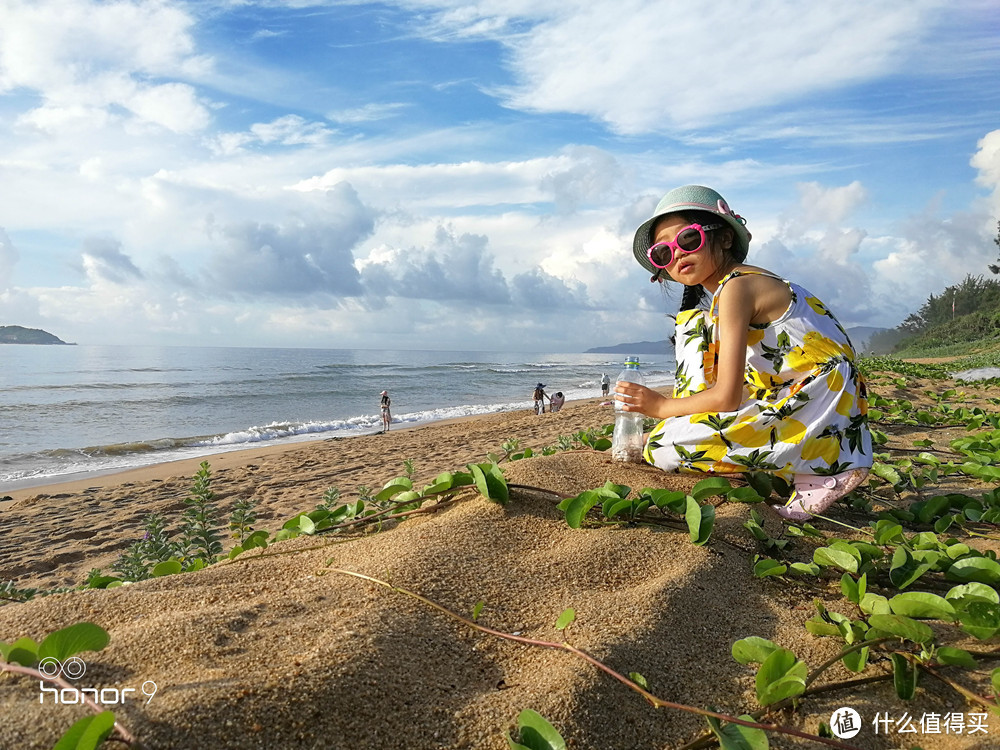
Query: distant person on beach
386,416
556,402
605,383
766,378
539,397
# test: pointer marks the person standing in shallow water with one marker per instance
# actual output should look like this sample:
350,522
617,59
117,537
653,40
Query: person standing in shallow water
605,383
386,416
766,377
539,396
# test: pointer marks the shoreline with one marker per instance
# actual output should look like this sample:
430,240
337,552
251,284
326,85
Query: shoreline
194,454
228,459
264,447
52,535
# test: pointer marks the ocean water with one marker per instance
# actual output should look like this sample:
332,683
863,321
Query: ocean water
69,411
980,373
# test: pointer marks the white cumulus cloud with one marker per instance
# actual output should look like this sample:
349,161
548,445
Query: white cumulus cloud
646,66
83,55
987,161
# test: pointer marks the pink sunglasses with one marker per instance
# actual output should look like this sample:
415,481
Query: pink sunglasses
690,239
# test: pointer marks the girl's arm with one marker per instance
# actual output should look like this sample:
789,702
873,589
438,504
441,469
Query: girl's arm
736,309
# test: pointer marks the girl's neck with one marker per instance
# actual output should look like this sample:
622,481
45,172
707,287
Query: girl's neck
711,284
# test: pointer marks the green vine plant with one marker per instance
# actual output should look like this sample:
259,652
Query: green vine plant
535,733
595,438
398,499
612,505
200,539
12,594
879,623
31,659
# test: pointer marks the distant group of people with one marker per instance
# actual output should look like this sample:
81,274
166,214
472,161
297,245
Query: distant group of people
539,396
555,402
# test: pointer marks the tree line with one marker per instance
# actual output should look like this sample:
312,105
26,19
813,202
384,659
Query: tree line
968,311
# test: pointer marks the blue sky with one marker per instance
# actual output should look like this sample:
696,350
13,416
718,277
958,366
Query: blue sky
444,175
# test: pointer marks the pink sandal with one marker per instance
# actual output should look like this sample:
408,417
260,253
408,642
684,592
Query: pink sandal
814,494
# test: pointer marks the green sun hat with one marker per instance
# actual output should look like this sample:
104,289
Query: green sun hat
687,198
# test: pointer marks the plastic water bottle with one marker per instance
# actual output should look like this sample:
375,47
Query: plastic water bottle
626,441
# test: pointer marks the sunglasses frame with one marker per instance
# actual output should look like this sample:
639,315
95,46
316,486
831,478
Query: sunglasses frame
675,248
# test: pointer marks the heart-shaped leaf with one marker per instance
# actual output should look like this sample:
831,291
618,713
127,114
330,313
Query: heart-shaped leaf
922,606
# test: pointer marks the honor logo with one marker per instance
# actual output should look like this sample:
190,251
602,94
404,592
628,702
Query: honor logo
73,669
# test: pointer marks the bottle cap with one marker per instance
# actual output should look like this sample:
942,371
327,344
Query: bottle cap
632,360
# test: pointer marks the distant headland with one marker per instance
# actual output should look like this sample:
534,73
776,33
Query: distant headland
638,347
22,335
859,337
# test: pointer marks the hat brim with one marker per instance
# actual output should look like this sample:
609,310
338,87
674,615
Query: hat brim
644,234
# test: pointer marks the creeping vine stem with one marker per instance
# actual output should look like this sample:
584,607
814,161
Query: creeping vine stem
652,699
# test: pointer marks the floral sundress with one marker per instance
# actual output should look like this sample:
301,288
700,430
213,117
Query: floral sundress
804,409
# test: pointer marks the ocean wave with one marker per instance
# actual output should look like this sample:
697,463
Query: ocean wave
82,386
279,431
132,447
353,425
980,373
328,367
237,399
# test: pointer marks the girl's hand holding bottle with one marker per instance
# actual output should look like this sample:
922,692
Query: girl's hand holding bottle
639,398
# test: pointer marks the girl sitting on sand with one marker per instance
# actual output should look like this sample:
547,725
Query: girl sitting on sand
766,377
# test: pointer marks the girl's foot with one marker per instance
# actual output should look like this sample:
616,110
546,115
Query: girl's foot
814,494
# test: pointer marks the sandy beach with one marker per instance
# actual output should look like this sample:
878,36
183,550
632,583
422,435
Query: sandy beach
53,535
279,650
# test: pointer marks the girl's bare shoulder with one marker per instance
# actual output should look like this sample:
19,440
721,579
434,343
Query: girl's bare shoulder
755,277
765,290
756,271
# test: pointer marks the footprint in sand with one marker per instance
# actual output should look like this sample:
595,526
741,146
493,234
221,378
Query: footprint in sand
51,563
82,534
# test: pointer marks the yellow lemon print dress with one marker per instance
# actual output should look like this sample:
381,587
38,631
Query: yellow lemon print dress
804,408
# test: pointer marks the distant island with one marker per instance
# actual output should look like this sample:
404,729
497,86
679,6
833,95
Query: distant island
638,347
859,337
22,335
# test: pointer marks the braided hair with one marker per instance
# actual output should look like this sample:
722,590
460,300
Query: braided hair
692,297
